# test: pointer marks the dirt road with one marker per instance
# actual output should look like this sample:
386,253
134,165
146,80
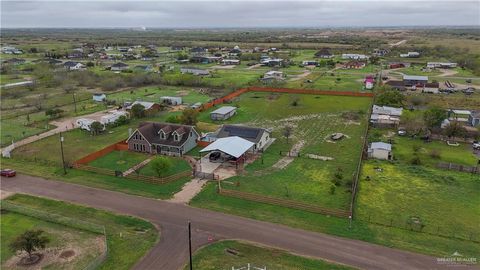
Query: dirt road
172,250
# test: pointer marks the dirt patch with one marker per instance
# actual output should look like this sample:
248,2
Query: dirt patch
67,254
178,108
283,162
182,93
324,158
5,194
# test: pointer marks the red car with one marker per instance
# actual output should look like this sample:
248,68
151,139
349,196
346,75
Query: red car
8,173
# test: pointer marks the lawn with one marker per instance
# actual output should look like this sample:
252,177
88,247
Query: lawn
178,165
153,94
314,119
444,201
125,185
61,237
325,81
128,238
215,256
361,230
119,160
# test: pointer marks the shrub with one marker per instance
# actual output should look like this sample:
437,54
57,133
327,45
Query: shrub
332,189
434,153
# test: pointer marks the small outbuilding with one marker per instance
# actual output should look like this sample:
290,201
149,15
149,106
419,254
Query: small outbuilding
223,113
380,150
171,100
233,148
99,97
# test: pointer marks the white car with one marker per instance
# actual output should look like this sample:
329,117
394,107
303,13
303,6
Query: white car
476,145
402,132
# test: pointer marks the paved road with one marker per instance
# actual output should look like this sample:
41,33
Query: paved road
172,250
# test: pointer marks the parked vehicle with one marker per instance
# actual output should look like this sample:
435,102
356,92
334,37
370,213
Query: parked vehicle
8,173
476,145
214,156
402,132
450,143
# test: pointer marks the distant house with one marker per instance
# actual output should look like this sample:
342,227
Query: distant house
54,62
354,65
259,136
272,62
163,139
194,71
71,65
198,50
14,61
393,65
99,97
369,82
228,62
380,150
432,87
441,65
380,52
397,85
112,116
385,116
196,105
354,56
273,74
176,48
410,55
171,100
223,113
309,63
76,55
474,118
413,80
119,66
150,107
86,123
11,50
324,53
205,59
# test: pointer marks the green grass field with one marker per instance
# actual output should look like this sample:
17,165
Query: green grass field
119,160
153,94
215,256
313,119
61,237
178,165
128,238
361,230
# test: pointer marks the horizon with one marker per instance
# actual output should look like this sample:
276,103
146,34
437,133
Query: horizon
231,14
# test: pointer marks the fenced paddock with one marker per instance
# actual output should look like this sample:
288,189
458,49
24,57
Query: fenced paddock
66,221
458,167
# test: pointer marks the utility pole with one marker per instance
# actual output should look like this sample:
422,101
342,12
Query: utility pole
190,244
63,156
74,102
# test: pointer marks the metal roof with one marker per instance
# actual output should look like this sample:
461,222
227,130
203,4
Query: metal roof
415,78
224,110
381,145
233,146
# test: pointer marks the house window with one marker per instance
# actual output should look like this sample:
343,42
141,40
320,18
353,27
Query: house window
162,135
175,137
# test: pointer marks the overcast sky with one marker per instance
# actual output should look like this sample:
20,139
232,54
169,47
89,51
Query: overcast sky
202,14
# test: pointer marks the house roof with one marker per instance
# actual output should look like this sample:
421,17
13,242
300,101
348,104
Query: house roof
70,64
252,134
475,114
224,110
387,110
381,145
233,146
150,130
119,64
415,78
145,104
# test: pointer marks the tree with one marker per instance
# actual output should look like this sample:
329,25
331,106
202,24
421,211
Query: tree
413,122
287,132
122,120
54,113
455,129
374,60
434,116
189,117
390,98
138,110
96,127
29,241
161,165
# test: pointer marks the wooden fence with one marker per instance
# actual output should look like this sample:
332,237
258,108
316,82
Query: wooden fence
134,176
241,91
284,203
458,167
119,146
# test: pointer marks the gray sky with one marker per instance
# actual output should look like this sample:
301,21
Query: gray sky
201,14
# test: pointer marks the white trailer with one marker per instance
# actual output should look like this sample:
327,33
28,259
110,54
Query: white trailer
112,117
85,124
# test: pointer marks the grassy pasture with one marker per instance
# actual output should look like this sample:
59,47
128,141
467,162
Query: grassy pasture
128,238
215,256
178,165
119,160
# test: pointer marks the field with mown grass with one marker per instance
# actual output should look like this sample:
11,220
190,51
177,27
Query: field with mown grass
87,245
215,256
128,238
361,230
445,202
119,160
314,119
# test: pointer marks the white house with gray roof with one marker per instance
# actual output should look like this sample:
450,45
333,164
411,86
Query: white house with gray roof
380,150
